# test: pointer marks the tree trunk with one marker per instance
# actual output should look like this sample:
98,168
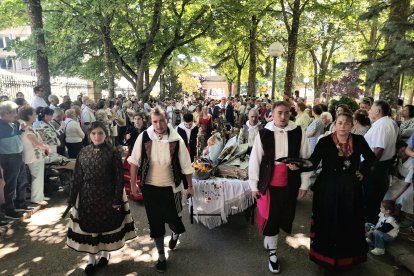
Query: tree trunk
162,86
238,80
398,15
230,87
373,44
109,64
42,63
253,58
409,96
292,47
147,76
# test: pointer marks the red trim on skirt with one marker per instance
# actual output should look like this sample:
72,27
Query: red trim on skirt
341,262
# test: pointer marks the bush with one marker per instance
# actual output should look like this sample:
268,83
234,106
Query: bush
350,102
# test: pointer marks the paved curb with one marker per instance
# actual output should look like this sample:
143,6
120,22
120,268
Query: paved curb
402,252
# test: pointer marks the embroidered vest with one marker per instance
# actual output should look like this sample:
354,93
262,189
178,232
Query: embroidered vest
175,162
266,166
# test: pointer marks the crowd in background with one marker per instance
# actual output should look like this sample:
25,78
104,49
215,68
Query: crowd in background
47,132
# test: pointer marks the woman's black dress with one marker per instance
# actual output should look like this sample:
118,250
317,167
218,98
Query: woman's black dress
94,224
337,225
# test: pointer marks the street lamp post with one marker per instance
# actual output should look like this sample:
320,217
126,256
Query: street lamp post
306,81
275,51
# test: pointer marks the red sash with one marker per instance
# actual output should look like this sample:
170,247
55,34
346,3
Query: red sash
280,176
279,179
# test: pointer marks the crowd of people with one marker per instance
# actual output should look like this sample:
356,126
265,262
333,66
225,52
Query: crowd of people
352,156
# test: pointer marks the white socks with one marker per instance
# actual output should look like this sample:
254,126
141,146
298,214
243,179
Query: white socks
270,242
105,254
91,258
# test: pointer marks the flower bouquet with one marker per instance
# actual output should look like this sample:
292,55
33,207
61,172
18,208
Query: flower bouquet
202,169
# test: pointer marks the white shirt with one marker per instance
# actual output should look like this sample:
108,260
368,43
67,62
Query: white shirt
383,219
38,101
160,173
53,107
87,115
147,109
252,133
170,111
383,134
73,131
281,150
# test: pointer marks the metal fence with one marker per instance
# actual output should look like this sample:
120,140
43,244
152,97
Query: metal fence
11,84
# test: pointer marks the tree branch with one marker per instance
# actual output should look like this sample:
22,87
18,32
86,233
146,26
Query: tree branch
285,18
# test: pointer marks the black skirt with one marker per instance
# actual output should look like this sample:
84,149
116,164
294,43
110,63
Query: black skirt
337,225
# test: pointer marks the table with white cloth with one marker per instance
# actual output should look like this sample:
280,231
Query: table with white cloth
217,198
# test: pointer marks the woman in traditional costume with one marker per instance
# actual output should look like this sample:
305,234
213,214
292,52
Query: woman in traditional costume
100,219
337,226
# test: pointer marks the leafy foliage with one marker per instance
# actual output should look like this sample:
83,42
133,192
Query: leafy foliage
348,85
350,102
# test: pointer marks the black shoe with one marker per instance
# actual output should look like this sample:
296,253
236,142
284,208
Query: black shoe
89,269
173,243
25,207
274,267
161,266
13,214
103,261
4,222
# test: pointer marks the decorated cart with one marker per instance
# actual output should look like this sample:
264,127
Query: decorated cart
221,185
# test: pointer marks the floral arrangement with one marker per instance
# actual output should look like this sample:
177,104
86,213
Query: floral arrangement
202,167
202,170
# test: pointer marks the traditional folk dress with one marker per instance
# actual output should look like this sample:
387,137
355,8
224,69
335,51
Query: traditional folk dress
189,136
162,161
94,224
337,225
277,185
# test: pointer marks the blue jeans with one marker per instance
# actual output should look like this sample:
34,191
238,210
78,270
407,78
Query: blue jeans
15,178
378,238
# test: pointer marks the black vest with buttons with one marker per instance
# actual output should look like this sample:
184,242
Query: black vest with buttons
175,161
266,166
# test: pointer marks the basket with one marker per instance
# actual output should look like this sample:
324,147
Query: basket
199,175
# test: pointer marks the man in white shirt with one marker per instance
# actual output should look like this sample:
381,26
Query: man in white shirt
87,114
163,160
277,185
38,99
250,130
382,138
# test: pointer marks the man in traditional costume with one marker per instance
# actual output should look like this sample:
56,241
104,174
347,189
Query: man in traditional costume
189,131
277,185
163,161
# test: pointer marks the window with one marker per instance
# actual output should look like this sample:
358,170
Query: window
7,42
6,64
3,63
